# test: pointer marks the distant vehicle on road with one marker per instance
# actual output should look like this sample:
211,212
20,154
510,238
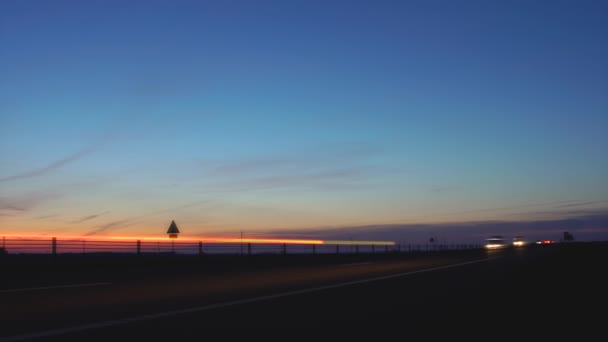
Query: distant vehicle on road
496,242
519,241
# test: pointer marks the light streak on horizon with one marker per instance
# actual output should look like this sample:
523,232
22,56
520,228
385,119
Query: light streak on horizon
161,238
228,240
367,243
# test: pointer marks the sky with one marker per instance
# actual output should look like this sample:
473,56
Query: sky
324,119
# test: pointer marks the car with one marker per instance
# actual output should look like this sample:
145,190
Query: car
519,241
495,242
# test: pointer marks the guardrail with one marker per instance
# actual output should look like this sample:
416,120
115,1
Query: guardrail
54,246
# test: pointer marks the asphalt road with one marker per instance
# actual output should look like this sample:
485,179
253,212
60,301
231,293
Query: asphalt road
552,291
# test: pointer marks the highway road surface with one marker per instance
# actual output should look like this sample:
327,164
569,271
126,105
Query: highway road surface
550,291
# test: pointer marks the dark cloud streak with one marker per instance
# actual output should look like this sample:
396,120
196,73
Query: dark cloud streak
25,202
580,204
111,225
56,164
90,217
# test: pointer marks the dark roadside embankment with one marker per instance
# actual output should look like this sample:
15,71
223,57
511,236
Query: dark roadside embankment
27,270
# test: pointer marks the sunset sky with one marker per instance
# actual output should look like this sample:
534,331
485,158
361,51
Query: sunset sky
324,119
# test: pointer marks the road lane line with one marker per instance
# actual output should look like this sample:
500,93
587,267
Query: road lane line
123,321
51,287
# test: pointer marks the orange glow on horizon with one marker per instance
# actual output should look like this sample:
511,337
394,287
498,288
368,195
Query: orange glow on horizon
159,238
227,240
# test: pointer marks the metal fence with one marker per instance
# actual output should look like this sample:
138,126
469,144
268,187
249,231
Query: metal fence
54,246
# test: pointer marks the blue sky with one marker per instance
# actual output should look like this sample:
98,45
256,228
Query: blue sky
292,117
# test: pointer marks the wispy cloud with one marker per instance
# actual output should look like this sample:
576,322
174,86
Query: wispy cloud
10,206
118,224
57,164
322,180
179,207
89,217
328,170
244,167
580,204
25,202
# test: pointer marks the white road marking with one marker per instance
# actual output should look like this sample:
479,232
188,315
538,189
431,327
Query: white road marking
123,321
51,287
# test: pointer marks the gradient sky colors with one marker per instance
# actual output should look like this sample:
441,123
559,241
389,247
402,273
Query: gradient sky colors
316,119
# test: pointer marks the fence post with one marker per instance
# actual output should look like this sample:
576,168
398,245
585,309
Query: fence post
200,248
249,248
83,248
138,247
357,249
337,249
284,248
373,250
314,249
386,249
